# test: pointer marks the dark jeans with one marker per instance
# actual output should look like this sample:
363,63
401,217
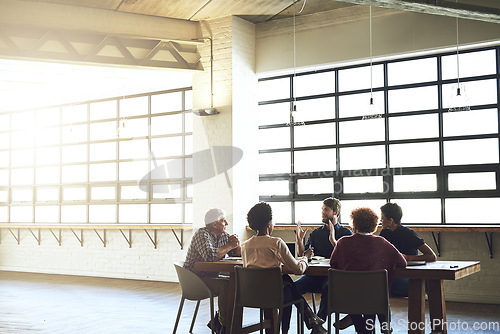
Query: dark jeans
316,284
290,292
399,287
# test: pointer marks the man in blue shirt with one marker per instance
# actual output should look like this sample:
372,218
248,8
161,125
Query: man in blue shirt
321,241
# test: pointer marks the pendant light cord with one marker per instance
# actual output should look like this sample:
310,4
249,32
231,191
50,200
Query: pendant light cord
458,62
371,59
294,64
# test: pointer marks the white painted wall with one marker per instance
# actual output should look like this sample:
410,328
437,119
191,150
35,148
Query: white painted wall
342,35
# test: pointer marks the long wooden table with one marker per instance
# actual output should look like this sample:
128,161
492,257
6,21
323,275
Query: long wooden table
434,273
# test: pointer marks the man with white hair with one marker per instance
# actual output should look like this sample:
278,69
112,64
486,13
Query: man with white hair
212,243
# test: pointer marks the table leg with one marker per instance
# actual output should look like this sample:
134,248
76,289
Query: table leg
437,306
416,306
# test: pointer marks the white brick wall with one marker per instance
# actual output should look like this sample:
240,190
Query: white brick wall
117,259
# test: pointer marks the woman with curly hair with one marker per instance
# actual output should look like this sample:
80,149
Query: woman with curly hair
264,251
364,251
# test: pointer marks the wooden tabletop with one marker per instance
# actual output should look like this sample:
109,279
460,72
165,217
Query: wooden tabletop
447,270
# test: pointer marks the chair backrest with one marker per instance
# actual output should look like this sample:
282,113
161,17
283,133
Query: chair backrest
259,287
358,292
192,286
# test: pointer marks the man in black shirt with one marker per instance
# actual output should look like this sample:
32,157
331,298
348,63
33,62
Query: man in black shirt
321,241
406,241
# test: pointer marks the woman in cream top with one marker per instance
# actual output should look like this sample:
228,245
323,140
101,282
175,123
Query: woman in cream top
264,251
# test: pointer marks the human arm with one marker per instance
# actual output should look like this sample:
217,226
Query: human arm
427,255
400,258
331,224
299,235
297,266
237,250
335,257
233,244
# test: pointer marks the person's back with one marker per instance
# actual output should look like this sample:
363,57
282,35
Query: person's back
264,251
366,252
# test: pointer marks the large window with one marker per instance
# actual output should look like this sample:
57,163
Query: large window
440,166
121,160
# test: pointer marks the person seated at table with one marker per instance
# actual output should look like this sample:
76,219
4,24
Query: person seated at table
212,243
264,251
321,241
405,240
364,251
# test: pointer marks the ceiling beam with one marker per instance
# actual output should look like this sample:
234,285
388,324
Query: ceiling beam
436,7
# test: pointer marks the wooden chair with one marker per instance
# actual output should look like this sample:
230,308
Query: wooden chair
358,292
193,288
261,288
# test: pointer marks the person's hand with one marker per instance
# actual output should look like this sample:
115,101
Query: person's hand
300,232
331,225
309,253
334,221
233,241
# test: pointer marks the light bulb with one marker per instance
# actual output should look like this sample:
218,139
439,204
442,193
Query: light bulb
459,100
371,112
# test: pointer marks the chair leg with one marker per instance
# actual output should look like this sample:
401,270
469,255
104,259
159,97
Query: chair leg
236,323
278,323
301,317
261,324
181,304
194,316
313,298
212,314
388,324
298,318
337,321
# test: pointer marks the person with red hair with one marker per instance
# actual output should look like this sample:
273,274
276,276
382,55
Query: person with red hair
364,251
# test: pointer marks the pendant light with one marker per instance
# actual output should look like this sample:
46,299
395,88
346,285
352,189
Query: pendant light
293,105
371,113
459,101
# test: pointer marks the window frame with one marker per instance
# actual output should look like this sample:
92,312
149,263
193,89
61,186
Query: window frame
441,171
86,162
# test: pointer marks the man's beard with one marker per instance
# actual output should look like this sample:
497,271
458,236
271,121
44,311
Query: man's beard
326,220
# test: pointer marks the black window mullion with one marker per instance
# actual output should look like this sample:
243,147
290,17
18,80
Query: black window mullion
442,176
338,188
388,178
